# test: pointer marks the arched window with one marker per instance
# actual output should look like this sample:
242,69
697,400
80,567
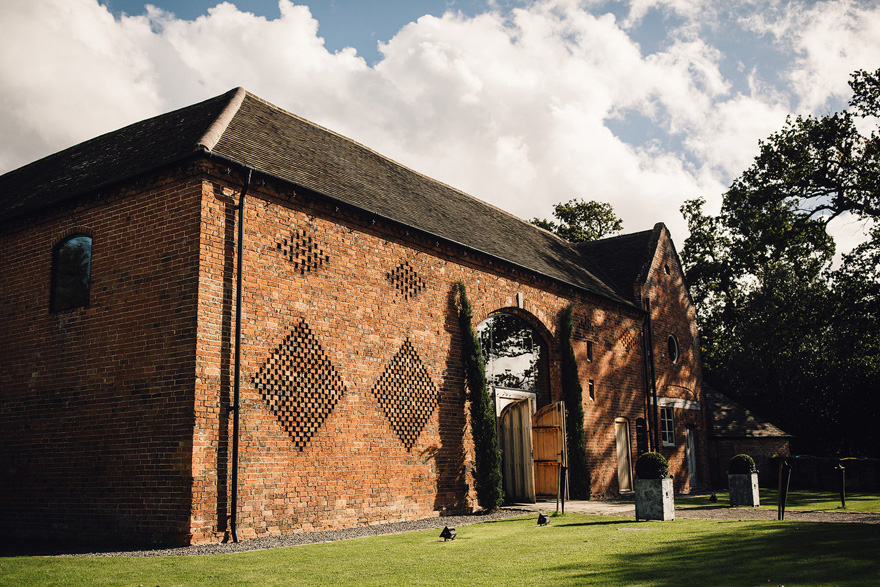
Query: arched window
512,350
672,344
71,273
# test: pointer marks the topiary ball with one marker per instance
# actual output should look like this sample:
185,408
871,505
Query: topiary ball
652,465
741,465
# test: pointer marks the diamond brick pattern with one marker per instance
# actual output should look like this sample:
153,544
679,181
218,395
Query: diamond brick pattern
630,339
406,394
302,250
406,280
299,384
582,329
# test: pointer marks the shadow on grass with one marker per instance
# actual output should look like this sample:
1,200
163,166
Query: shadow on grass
751,554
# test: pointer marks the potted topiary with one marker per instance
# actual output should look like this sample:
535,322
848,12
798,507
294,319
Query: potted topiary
654,493
742,481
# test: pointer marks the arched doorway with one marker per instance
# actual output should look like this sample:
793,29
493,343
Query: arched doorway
516,359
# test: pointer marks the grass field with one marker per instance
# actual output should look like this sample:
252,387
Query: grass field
797,500
573,550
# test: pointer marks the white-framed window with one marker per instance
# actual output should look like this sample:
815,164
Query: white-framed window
667,426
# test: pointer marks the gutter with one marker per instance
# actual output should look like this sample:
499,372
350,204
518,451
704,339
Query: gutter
611,296
651,376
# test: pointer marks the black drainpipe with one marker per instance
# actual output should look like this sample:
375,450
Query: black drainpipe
649,351
233,522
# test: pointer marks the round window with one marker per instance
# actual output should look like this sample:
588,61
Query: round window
673,348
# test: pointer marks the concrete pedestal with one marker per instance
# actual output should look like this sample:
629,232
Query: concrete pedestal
744,490
654,499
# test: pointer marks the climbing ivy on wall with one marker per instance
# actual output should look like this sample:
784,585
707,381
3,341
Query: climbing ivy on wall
572,393
487,468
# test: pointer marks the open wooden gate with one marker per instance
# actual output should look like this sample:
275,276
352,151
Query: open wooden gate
548,443
515,424
532,449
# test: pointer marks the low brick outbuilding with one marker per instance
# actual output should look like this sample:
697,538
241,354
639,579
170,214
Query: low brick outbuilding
119,302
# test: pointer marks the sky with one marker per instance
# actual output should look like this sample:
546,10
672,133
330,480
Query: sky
522,103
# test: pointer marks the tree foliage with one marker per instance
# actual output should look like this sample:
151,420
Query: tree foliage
784,329
580,221
487,454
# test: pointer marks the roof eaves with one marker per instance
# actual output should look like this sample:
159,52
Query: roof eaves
611,295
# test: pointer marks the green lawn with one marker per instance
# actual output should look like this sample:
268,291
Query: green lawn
797,500
573,550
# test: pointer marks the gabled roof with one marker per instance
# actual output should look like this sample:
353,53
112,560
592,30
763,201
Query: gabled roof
246,130
728,419
624,259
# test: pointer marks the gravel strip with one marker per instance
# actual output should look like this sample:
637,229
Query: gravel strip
718,513
297,539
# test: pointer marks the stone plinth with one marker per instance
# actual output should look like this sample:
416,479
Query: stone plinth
654,499
744,489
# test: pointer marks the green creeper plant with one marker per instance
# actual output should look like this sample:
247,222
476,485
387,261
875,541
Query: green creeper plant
572,393
487,455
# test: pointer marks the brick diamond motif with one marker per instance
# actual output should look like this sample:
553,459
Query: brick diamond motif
582,329
406,395
299,384
630,339
406,280
302,250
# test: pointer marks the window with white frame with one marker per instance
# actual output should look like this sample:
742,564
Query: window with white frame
667,426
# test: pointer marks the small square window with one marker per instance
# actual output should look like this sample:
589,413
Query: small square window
592,389
667,426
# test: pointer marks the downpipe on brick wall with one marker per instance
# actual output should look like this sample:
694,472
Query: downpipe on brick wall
651,378
235,407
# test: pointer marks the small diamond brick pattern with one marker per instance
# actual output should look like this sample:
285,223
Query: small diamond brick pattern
302,250
630,339
299,384
406,280
582,329
406,395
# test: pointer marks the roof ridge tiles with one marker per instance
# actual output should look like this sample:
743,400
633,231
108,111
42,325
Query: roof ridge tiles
215,131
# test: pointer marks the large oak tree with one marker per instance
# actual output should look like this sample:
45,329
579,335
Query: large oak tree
784,329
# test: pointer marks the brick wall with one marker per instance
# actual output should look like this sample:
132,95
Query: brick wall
96,403
762,450
116,418
356,298
673,314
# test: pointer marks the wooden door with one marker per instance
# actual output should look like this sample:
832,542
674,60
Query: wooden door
515,426
548,444
624,460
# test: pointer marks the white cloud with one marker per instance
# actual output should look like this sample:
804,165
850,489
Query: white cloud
829,40
514,108
68,71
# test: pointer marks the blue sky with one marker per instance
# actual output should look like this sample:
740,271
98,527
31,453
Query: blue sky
344,23
521,103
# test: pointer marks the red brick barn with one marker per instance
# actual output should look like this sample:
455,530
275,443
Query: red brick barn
119,301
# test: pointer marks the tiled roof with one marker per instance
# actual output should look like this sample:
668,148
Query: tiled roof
728,419
624,260
247,130
107,159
